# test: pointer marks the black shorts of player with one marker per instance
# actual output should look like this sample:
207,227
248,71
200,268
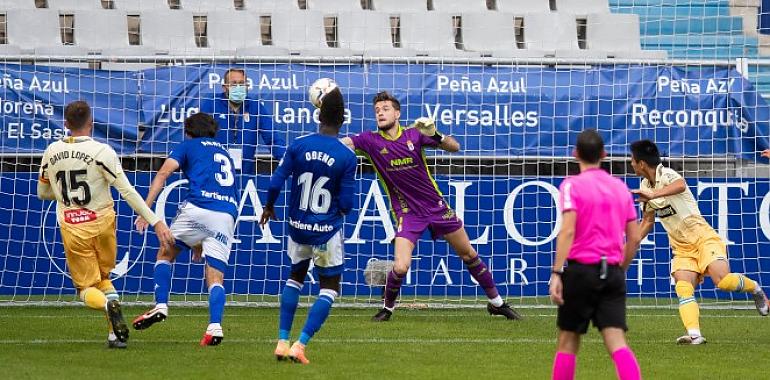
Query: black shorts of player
589,298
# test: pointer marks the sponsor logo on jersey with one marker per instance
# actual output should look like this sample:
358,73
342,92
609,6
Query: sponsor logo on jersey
78,216
665,212
384,151
409,144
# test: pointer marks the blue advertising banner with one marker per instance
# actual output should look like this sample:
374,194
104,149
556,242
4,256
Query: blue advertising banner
512,222
32,101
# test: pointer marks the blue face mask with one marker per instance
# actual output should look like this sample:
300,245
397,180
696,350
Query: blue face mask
237,93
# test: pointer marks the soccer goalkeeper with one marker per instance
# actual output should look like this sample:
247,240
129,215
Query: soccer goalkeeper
698,250
82,171
397,155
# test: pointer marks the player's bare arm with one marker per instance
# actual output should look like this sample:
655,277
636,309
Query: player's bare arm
676,187
348,142
563,244
168,168
633,239
646,224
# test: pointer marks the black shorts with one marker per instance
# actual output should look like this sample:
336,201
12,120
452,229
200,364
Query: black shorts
589,298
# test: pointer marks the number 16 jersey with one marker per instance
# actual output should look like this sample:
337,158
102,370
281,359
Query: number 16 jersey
210,170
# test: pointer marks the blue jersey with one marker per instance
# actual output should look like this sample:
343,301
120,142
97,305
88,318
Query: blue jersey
209,168
323,173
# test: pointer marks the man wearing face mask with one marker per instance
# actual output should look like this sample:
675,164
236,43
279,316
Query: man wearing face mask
238,119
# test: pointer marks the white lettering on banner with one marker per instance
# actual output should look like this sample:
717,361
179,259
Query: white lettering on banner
35,131
293,115
442,269
639,271
764,215
382,216
713,118
46,85
510,223
8,107
460,209
687,86
12,83
722,199
501,115
174,114
493,84
266,82
517,267
250,193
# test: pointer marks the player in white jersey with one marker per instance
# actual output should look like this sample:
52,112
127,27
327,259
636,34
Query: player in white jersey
698,250
77,172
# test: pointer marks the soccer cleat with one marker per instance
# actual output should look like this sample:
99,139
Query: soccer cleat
692,340
504,310
382,316
115,316
297,353
761,302
282,350
116,344
150,317
212,337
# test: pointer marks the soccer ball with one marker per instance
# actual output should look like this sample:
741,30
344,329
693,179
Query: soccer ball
319,89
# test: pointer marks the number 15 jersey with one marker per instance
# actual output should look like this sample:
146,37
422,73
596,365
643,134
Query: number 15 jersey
209,168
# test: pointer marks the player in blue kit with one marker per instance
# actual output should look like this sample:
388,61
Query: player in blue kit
206,219
323,179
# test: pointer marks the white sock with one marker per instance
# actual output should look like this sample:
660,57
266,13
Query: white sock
213,326
162,306
112,336
497,301
693,332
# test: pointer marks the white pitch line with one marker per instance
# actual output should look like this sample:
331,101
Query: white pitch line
429,315
352,341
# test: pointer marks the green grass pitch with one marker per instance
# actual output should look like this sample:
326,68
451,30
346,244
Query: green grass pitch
69,343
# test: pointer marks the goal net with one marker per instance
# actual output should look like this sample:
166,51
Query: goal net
516,118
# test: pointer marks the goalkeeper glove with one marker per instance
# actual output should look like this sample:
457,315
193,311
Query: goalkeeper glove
427,127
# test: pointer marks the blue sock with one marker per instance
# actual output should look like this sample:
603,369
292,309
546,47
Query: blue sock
289,301
216,303
162,279
318,314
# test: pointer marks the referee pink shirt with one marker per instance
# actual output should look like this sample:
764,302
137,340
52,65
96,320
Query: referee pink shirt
604,206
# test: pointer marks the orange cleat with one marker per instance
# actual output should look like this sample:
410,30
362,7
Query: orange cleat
297,353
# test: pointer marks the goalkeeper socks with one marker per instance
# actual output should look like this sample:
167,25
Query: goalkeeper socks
483,276
626,366
94,298
688,308
735,282
289,301
392,288
563,366
162,278
318,314
216,303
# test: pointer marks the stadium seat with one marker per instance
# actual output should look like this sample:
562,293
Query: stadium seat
75,5
202,6
302,32
7,5
460,6
38,32
618,35
369,33
171,32
139,6
557,33
400,6
432,34
270,6
478,27
246,42
582,7
334,6
523,6
106,32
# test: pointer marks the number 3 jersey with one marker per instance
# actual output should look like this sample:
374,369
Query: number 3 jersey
323,173
210,170
80,172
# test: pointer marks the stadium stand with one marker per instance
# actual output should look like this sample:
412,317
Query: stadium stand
618,35
582,7
369,34
431,34
171,32
303,33
138,6
270,5
523,6
75,5
478,26
459,6
556,34
247,42
37,32
334,6
204,6
401,6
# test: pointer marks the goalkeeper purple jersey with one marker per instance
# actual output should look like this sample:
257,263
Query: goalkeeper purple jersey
400,164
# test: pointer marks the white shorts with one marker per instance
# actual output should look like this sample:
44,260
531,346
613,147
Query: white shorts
214,230
329,255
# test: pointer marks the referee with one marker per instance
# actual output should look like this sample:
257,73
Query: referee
598,239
